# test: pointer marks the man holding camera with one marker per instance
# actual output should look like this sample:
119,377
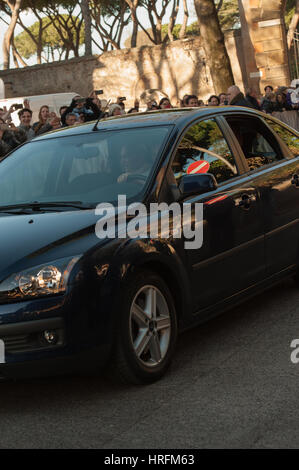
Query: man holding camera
6,115
10,136
121,102
82,106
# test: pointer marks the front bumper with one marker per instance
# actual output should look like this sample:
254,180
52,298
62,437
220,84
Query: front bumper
82,342
29,336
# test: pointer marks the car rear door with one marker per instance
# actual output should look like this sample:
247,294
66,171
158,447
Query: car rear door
274,173
232,256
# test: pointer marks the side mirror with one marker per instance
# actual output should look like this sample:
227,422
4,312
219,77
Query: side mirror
197,184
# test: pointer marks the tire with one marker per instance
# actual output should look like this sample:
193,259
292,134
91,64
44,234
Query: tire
146,332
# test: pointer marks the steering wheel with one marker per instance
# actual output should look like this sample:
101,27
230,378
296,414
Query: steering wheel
215,155
136,177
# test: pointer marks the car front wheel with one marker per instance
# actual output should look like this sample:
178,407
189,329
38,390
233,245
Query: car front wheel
147,329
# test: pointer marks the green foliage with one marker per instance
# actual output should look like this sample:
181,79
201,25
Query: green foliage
109,7
36,4
192,30
288,137
205,135
228,14
201,134
50,37
290,11
4,7
24,44
39,5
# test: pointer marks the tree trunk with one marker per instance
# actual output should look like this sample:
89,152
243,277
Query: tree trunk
15,9
159,30
39,48
135,29
133,4
293,25
16,54
185,21
214,46
172,19
87,26
15,58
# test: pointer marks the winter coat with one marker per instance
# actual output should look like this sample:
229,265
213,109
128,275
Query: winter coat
10,140
240,100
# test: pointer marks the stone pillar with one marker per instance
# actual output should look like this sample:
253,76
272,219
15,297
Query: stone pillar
265,44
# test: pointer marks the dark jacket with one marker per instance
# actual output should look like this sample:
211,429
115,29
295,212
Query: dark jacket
28,131
240,100
96,113
4,148
268,106
274,106
280,107
10,140
41,130
254,102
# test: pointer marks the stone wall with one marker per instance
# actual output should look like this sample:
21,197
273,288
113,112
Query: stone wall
177,68
258,56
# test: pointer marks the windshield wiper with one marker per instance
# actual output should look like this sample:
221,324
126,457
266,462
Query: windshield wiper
39,205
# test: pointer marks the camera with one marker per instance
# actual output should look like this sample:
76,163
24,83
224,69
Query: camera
122,98
99,92
18,106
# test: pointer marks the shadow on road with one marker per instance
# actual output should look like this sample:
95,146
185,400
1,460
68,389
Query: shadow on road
201,345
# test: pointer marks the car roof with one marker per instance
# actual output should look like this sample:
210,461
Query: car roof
176,116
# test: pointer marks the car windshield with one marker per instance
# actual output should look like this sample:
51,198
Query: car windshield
90,168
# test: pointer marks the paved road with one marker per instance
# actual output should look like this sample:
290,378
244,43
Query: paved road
232,384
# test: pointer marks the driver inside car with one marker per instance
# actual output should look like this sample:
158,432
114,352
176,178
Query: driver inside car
134,164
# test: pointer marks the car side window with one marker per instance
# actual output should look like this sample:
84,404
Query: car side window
204,149
290,139
259,146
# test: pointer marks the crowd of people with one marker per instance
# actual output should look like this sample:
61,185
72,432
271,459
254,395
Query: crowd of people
92,108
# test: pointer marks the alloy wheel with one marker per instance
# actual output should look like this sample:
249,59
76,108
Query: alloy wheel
150,326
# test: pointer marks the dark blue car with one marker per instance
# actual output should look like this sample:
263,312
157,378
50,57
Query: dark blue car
78,291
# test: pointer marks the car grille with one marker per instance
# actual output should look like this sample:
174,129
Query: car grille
19,343
28,342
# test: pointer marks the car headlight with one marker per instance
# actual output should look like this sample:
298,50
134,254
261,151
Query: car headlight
45,279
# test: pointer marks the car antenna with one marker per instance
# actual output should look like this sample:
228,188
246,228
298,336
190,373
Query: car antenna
95,127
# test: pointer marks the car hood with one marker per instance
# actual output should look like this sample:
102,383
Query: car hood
28,240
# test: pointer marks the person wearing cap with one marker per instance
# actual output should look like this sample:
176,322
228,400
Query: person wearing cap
115,110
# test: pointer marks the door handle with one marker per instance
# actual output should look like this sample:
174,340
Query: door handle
295,180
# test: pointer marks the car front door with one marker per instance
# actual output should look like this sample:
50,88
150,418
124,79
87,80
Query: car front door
275,175
232,255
